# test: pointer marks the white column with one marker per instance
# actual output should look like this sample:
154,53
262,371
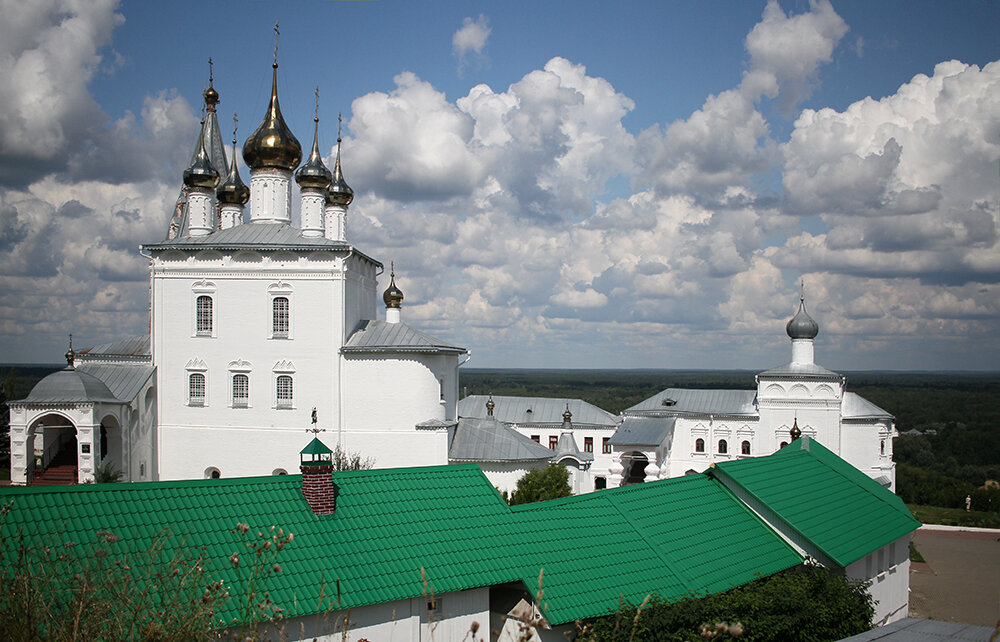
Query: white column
201,212
615,471
19,456
271,196
802,351
87,461
392,315
313,201
336,222
230,216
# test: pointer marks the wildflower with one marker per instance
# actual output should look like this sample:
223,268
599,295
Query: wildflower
276,568
234,559
242,528
736,630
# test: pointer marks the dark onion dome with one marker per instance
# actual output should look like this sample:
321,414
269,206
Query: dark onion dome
233,191
795,433
273,145
392,296
211,96
201,174
802,326
340,193
313,173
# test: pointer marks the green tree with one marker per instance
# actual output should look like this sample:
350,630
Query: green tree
807,602
540,484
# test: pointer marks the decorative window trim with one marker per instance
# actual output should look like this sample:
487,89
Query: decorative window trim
606,445
553,442
699,445
196,367
283,368
588,444
723,447
204,289
275,291
237,368
284,392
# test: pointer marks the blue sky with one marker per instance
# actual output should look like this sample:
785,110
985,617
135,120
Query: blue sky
560,184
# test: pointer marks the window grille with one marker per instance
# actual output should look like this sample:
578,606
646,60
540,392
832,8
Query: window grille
279,317
588,444
284,391
241,390
196,389
203,315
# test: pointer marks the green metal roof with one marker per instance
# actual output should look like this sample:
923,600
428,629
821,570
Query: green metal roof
671,537
837,508
316,447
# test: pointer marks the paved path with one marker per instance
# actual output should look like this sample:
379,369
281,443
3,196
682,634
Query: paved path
961,580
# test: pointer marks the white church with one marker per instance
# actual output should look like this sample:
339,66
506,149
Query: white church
260,329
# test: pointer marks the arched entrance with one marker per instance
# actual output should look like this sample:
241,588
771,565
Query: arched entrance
52,450
634,464
111,444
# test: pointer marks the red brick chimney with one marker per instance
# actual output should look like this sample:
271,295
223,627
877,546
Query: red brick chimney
316,464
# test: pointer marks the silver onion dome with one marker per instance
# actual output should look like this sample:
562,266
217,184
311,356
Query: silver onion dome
802,326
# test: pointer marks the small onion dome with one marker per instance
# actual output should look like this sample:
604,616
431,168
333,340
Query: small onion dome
567,415
392,296
272,144
70,358
313,173
802,326
340,193
201,173
232,191
490,405
211,97
795,433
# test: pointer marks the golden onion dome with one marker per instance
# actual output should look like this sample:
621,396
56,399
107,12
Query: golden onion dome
313,173
272,145
340,193
392,296
233,191
201,174
211,96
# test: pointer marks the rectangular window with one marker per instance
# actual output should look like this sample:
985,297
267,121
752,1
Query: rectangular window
241,390
279,317
536,438
553,442
600,483
203,315
284,391
606,445
588,444
196,389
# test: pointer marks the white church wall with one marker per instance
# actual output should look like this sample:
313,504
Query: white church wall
868,446
505,475
888,571
684,456
359,294
407,620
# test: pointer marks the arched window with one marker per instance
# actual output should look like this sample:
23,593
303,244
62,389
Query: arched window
279,471
241,390
203,315
699,445
882,448
212,473
745,448
196,389
783,444
279,317
284,391
723,447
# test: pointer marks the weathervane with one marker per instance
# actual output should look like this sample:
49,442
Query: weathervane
315,428
210,72
235,120
340,125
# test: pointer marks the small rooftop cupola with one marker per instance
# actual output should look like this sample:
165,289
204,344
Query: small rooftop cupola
233,194
338,197
490,406
802,330
271,153
567,424
316,464
313,178
70,355
795,433
393,297
200,179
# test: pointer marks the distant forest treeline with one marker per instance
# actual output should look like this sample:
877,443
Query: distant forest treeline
958,414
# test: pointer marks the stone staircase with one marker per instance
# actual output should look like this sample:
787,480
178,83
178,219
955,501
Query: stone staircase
62,471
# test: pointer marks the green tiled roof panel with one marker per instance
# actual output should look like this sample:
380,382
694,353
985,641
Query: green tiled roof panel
836,507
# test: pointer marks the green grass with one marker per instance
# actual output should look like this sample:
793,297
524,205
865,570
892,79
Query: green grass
954,516
915,555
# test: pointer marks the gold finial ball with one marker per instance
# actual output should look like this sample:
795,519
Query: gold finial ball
339,192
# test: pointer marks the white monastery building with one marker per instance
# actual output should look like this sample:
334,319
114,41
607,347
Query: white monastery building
260,329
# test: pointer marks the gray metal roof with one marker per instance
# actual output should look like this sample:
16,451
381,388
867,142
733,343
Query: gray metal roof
382,336
800,370
857,407
254,236
137,346
487,439
707,402
913,629
536,410
124,381
643,431
69,386
566,447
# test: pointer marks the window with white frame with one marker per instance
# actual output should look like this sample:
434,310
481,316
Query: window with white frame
283,391
203,315
280,311
241,390
699,445
196,389
745,447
